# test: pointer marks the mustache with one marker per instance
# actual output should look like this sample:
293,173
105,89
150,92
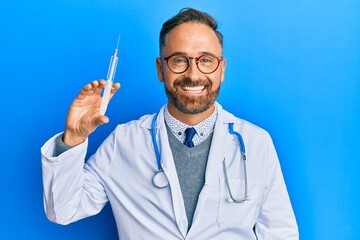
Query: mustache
188,82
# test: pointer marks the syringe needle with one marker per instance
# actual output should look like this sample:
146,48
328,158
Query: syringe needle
117,44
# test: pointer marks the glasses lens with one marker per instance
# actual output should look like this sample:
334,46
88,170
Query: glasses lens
178,63
208,63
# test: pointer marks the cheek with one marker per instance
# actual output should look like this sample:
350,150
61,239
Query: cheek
169,78
216,79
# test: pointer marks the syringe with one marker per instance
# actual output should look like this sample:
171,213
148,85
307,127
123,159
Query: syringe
109,80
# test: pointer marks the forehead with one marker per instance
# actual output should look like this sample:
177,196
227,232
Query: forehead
192,39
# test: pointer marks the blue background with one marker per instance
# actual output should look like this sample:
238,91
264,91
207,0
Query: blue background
293,68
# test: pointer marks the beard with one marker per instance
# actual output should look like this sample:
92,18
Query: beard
192,104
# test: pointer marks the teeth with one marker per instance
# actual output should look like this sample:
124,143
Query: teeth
195,89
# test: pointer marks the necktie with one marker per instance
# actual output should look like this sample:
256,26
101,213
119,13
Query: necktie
190,132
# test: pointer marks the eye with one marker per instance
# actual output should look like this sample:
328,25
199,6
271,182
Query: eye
206,59
178,60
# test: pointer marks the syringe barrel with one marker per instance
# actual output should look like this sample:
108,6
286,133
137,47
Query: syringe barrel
105,98
112,68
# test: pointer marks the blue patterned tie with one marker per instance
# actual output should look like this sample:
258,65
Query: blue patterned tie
190,133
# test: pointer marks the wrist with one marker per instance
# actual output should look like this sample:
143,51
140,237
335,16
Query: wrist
71,139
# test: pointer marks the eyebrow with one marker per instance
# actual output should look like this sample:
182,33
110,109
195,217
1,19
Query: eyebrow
183,53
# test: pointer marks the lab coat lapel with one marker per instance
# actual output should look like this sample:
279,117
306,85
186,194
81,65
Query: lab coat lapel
218,147
216,154
169,168
210,191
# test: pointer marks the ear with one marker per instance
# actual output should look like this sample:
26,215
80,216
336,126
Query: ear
159,69
223,67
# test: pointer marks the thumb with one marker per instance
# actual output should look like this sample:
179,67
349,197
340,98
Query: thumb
101,120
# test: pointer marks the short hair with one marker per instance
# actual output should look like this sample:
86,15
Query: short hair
188,15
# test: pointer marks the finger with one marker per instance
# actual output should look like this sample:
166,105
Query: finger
102,82
95,85
99,88
88,90
115,87
84,91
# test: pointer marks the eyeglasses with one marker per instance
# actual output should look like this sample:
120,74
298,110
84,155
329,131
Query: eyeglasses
179,63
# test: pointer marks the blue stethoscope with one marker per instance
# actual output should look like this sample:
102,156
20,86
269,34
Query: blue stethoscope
160,180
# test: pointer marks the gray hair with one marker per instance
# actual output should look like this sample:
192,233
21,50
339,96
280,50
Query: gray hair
188,15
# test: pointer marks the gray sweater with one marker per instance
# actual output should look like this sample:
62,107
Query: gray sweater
190,167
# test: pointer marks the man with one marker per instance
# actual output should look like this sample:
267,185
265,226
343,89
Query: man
158,187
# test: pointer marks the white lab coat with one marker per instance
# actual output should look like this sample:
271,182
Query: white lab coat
122,169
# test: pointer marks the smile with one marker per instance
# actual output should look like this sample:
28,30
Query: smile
194,89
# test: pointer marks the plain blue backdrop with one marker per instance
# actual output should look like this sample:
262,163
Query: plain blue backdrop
293,68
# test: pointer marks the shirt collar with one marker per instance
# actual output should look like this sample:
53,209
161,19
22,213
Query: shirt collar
203,129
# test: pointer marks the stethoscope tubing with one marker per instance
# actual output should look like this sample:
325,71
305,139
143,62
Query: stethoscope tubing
156,147
160,180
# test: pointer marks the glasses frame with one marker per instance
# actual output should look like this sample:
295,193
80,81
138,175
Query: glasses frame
189,62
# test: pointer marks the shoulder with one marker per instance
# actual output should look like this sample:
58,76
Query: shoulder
243,126
143,124
252,128
134,126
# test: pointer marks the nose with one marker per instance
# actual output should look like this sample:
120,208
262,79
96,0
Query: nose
193,72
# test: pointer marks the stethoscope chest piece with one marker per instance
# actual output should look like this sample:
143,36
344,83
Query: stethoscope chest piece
160,180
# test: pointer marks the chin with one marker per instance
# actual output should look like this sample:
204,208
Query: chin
193,107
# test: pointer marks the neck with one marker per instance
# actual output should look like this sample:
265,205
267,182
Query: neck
190,119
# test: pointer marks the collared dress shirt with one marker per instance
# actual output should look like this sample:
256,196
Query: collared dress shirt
203,129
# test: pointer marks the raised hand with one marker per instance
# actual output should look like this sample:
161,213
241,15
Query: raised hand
84,113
